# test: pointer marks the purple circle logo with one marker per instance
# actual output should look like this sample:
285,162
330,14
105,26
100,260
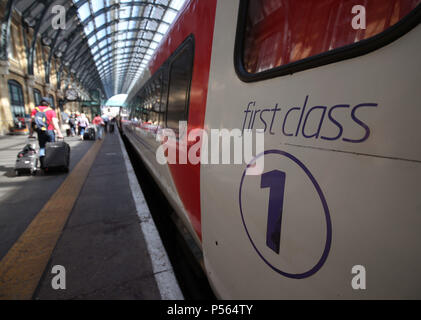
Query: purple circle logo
275,180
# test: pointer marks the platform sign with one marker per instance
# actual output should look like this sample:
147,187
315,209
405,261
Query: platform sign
285,215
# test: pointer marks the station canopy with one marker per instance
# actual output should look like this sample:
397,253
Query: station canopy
106,43
118,100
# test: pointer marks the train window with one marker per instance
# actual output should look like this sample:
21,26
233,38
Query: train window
180,74
147,104
284,36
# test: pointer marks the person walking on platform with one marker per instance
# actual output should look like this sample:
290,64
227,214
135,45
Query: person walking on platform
72,124
99,123
44,120
105,119
83,123
112,125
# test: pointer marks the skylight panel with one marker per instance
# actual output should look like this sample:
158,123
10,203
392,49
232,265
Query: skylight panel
169,16
176,4
104,51
101,34
84,11
135,12
94,50
91,41
102,44
100,20
163,28
123,25
132,24
157,38
125,13
97,5
89,27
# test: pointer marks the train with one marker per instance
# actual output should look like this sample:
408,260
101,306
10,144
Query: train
333,89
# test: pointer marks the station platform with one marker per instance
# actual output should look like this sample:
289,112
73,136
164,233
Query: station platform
92,222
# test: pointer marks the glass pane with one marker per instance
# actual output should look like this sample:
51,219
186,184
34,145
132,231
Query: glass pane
125,12
89,27
102,44
180,76
101,34
16,94
285,31
123,25
100,20
84,11
91,41
97,5
169,16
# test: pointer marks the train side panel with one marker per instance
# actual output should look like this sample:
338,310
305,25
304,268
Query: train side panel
322,205
180,182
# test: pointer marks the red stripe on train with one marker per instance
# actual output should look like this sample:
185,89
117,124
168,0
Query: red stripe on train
197,18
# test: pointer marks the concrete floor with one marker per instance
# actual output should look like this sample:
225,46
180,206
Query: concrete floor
102,246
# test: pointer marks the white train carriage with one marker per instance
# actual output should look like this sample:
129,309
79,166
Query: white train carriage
335,87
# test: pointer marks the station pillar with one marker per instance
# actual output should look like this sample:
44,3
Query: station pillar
6,119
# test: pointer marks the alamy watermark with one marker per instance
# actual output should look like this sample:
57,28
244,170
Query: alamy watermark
59,280
198,146
359,20
59,19
358,282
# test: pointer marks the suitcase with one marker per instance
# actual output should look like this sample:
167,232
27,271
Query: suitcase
57,156
27,159
89,134
26,162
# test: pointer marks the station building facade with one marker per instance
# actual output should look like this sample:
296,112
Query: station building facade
21,91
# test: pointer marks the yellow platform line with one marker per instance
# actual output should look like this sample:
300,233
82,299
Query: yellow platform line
22,267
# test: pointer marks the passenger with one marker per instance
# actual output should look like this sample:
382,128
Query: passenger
65,123
112,125
105,119
65,117
77,115
83,123
72,124
45,122
20,122
99,123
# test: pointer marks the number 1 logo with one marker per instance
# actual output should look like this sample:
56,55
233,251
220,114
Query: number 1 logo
275,181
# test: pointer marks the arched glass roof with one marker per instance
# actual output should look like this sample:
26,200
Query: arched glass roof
117,101
106,43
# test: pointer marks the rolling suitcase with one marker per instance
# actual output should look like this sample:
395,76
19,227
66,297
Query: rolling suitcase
27,160
57,156
89,134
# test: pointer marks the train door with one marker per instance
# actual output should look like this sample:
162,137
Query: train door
176,101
